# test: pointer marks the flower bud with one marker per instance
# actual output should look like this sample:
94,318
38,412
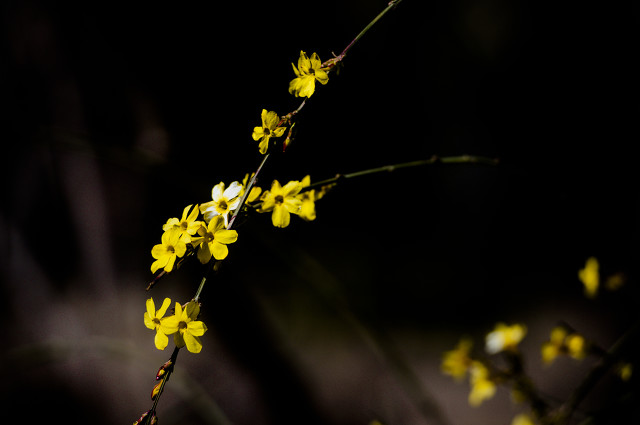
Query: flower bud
156,390
167,367
145,420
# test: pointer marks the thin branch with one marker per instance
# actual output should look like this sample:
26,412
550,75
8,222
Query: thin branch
462,159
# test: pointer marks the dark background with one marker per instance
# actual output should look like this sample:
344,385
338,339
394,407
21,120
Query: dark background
117,115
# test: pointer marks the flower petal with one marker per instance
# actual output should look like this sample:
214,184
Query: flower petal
280,217
226,236
322,76
151,308
192,342
216,192
196,328
165,305
258,132
232,191
148,321
161,340
218,250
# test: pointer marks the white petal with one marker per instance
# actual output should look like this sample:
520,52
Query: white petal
232,191
216,192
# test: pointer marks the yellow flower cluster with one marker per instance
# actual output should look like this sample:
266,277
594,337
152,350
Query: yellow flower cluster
563,342
209,237
183,325
458,362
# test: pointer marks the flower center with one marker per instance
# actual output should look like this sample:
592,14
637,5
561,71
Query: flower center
208,237
184,225
171,249
222,206
182,325
156,321
267,131
279,199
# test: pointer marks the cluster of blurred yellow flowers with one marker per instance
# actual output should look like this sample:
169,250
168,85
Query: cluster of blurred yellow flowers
183,325
459,362
563,342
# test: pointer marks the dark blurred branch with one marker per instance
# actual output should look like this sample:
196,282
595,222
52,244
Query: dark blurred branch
613,355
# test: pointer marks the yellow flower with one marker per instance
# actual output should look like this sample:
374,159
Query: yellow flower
576,346
173,246
163,326
625,370
504,338
268,130
590,277
554,347
522,419
213,240
456,362
189,329
187,225
282,201
307,72
482,387
224,201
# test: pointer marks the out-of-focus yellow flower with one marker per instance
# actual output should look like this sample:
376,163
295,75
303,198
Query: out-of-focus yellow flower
522,419
172,247
187,225
625,370
576,346
154,320
554,347
590,277
189,329
456,362
561,341
308,72
615,281
268,129
482,387
224,201
213,240
282,201
504,338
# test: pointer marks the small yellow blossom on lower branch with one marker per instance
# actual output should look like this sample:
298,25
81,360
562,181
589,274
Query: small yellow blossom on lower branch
154,320
189,329
309,71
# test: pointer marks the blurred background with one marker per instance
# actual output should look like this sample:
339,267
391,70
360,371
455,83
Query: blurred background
116,115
